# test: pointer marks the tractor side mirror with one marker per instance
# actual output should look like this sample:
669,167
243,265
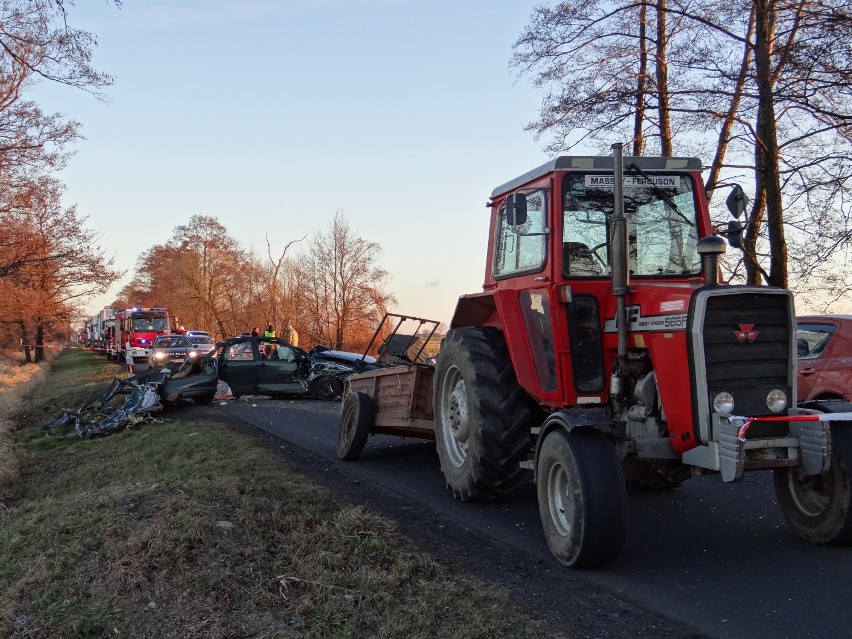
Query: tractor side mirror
737,201
735,234
516,209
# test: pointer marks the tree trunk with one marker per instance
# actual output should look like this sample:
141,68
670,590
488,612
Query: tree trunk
767,142
730,116
751,235
641,83
663,82
25,343
39,344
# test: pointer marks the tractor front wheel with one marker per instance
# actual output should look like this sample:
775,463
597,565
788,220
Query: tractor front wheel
819,508
482,415
582,498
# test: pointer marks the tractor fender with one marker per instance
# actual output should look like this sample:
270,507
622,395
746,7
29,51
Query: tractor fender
569,419
477,309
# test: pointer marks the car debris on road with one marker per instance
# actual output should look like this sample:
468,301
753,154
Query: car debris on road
147,394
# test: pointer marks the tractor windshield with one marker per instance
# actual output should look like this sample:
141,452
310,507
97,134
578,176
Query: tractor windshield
661,220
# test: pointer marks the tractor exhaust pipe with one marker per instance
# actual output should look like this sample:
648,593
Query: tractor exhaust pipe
710,248
618,243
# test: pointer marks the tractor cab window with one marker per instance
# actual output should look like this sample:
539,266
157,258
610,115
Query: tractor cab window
522,248
661,220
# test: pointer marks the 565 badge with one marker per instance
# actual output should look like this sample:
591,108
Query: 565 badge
635,322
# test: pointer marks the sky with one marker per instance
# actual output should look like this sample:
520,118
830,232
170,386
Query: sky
271,116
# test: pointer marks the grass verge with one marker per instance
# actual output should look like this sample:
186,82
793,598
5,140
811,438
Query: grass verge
189,529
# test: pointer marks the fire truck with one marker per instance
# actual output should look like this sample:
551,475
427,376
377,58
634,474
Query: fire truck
136,329
604,354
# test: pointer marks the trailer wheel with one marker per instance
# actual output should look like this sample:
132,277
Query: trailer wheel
819,508
356,420
482,415
582,498
328,387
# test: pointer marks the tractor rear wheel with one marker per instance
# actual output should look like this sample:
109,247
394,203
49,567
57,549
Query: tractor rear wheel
356,420
482,415
582,497
819,508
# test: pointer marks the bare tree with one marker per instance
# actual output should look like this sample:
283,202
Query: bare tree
772,77
276,291
344,286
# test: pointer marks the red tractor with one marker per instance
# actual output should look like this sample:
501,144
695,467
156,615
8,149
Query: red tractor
604,354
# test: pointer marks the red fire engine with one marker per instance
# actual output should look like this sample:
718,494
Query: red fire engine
137,328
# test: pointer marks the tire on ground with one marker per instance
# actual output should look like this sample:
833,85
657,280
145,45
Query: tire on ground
582,497
328,387
482,415
356,420
819,508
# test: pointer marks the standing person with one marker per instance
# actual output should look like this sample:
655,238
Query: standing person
255,332
292,335
128,359
269,332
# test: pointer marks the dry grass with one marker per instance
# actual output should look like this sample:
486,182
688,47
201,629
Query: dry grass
16,380
189,529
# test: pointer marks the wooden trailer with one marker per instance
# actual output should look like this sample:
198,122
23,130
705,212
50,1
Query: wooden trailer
394,400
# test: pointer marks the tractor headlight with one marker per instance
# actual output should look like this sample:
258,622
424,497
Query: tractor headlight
723,403
776,400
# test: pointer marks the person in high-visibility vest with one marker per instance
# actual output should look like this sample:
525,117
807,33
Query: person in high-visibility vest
269,332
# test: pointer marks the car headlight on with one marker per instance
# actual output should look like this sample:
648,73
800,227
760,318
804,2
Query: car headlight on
159,355
723,403
191,354
776,400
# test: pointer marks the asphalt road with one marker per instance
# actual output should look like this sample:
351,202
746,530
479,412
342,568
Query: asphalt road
717,557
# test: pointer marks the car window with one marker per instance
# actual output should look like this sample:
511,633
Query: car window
273,350
239,351
200,339
285,353
812,339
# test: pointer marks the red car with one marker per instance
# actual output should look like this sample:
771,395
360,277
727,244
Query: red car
824,348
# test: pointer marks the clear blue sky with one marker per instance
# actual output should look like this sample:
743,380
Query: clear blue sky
273,115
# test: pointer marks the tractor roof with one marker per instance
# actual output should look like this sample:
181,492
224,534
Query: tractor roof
600,162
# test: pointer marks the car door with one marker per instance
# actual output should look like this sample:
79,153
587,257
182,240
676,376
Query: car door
814,344
278,371
238,364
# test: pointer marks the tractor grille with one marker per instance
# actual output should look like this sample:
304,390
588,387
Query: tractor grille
747,349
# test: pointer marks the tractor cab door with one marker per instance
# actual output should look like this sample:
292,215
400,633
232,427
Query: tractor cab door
585,268
522,270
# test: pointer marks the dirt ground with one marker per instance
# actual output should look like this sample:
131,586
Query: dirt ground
572,605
